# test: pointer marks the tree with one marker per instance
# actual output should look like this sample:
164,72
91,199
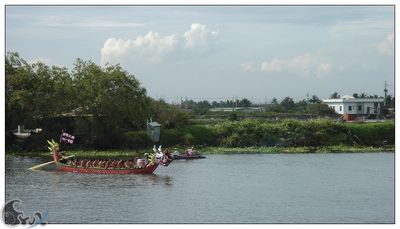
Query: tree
390,102
111,96
301,106
314,99
335,95
274,101
287,103
320,109
169,116
35,92
19,83
244,103
355,95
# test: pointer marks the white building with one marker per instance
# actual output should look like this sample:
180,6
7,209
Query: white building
355,106
230,109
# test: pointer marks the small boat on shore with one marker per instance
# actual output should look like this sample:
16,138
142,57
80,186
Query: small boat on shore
187,157
110,166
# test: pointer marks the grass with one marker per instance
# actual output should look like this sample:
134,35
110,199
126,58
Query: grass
216,150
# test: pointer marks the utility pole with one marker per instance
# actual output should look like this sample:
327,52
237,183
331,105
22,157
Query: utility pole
385,90
233,103
236,101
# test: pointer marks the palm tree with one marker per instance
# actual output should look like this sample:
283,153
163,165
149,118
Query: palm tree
335,95
363,95
314,99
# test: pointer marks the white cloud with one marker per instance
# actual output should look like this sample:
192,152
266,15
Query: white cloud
272,66
198,36
248,66
386,47
305,64
301,64
324,69
154,47
150,46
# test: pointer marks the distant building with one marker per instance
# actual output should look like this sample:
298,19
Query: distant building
348,105
21,132
230,109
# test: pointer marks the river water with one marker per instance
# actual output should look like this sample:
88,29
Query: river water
256,188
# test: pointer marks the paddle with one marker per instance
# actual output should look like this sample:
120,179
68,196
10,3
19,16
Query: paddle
47,163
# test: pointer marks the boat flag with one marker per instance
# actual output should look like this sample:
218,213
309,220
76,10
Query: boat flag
65,137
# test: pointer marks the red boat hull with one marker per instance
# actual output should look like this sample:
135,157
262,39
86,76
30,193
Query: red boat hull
148,169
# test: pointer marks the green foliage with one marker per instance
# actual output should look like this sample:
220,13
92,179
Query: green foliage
320,109
188,139
288,104
334,95
372,133
110,93
98,103
295,133
233,117
244,133
171,137
169,116
199,135
136,140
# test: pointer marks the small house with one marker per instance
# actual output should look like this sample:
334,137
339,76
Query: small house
355,107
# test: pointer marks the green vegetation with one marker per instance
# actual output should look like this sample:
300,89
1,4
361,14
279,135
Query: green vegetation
84,153
294,150
106,108
102,106
292,133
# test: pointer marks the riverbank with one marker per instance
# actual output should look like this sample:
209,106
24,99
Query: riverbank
216,150
294,150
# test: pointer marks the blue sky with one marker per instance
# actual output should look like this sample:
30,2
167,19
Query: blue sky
218,52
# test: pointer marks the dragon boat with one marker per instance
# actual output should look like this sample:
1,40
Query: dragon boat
110,166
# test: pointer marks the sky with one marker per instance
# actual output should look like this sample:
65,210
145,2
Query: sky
218,52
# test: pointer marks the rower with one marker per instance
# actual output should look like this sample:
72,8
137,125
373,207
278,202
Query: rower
167,155
190,151
176,152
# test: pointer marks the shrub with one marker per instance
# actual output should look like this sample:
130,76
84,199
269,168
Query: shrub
321,132
200,135
171,137
373,133
136,139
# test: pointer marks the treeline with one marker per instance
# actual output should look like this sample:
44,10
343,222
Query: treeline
285,133
98,104
312,105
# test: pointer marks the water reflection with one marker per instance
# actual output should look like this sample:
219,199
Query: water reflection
57,178
161,180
